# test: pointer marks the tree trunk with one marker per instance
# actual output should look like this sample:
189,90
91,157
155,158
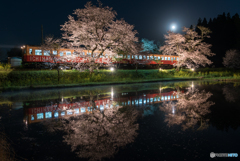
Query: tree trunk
136,65
58,72
58,76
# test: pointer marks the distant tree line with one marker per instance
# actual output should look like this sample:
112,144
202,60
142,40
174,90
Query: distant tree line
225,35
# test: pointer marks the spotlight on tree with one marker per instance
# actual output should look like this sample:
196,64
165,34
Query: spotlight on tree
192,69
112,69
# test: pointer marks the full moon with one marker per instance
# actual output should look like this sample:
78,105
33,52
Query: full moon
173,27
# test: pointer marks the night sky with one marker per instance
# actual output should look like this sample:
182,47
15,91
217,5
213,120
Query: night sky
21,20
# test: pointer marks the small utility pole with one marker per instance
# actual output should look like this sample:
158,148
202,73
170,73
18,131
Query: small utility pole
42,33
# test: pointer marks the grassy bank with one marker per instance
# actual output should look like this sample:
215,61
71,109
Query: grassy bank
46,78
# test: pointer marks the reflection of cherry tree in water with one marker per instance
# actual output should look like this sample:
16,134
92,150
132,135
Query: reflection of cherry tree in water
231,93
190,109
100,133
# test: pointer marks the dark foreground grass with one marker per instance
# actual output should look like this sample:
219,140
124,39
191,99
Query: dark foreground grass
49,78
6,151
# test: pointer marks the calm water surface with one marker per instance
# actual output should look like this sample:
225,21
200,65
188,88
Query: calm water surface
151,121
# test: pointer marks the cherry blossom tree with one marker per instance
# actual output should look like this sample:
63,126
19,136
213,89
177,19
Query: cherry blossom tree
54,61
190,108
231,93
190,48
97,30
99,133
232,59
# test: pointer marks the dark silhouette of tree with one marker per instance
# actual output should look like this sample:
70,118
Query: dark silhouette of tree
225,35
191,27
204,23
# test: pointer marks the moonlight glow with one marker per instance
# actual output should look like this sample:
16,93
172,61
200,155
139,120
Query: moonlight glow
173,27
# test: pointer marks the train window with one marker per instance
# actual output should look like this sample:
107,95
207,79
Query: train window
155,99
88,53
54,52
168,97
147,57
174,58
32,117
159,58
69,112
151,57
120,55
48,114
83,109
46,52
95,54
136,102
155,57
165,98
177,58
55,114
132,102
151,99
162,98
165,58
168,58
171,97
162,58
174,97
61,53
129,102
144,57
158,98
144,101
140,56
177,96
107,105
76,110
136,57
38,52
68,52
132,56
30,51
128,56
83,53
140,101
40,116
101,56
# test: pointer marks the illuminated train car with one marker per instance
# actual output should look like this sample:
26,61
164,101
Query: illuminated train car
64,110
34,54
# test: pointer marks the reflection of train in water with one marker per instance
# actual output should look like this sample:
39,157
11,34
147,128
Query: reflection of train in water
77,107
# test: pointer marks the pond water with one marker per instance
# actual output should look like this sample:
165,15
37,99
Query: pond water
150,121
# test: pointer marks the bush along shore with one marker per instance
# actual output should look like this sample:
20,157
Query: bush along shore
50,78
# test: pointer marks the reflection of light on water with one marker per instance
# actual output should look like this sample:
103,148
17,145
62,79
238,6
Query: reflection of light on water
192,85
173,110
112,93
